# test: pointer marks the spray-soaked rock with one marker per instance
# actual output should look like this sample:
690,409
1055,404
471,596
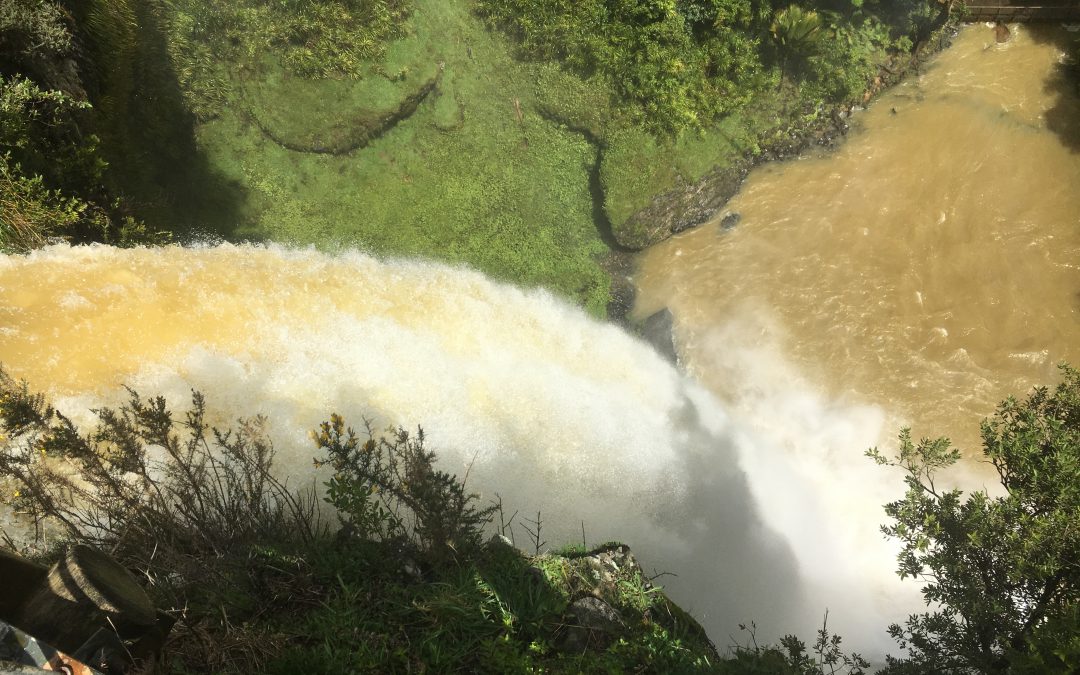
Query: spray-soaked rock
595,622
659,331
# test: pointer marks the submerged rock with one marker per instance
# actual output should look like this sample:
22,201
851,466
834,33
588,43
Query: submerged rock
729,221
1001,32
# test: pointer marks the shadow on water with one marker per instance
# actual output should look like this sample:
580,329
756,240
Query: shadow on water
150,135
1063,118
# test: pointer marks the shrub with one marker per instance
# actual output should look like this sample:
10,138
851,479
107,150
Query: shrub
312,38
1000,571
29,28
51,173
199,514
387,489
672,66
195,511
30,214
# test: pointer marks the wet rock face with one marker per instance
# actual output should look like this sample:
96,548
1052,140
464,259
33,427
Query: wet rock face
595,623
659,331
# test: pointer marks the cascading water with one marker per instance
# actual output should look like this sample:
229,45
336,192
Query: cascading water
762,505
554,411
918,275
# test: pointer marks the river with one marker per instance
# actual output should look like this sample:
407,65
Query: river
899,279
930,266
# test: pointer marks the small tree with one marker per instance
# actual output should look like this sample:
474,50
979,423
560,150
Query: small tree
388,489
1001,572
797,31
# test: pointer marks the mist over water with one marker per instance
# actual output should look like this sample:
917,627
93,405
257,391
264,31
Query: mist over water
554,411
807,336
918,275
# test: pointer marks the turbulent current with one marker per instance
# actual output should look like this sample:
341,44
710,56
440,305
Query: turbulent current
930,266
895,280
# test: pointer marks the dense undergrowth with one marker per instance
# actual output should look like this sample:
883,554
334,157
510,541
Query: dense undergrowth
516,136
390,575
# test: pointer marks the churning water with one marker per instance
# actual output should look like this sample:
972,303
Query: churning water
747,479
553,410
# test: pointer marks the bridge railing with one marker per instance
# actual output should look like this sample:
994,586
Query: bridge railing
1023,11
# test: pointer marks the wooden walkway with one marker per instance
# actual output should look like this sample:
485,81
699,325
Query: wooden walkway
1024,11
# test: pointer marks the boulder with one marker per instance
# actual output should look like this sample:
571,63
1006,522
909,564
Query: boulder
593,622
659,331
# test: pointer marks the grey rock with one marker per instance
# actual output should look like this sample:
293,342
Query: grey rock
659,331
596,615
593,622
499,542
730,221
574,639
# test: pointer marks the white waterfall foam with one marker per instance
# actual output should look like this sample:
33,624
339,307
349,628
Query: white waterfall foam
767,513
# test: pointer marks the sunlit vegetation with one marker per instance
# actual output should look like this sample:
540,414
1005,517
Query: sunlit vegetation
672,65
473,175
696,86
999,569
391,577
49,175
515,137
395,576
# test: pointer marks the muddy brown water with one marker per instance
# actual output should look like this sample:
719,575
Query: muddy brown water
930,265
921,272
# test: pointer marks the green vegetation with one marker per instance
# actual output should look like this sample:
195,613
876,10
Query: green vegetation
1002,570
413,128
671,66
51,163
30,28
427,147
266,585
695,87
404,581
522,137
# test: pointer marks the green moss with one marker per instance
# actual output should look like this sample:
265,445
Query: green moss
569,99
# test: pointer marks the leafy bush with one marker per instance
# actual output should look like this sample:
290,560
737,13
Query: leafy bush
312,38
200,515
848,59
387,489
51,173
671,66
194,511
30,214
32,27
1001,570
43,131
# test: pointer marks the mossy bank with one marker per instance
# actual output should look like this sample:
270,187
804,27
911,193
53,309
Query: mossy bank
468,132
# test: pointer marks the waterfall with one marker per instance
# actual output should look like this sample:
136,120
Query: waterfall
765,511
